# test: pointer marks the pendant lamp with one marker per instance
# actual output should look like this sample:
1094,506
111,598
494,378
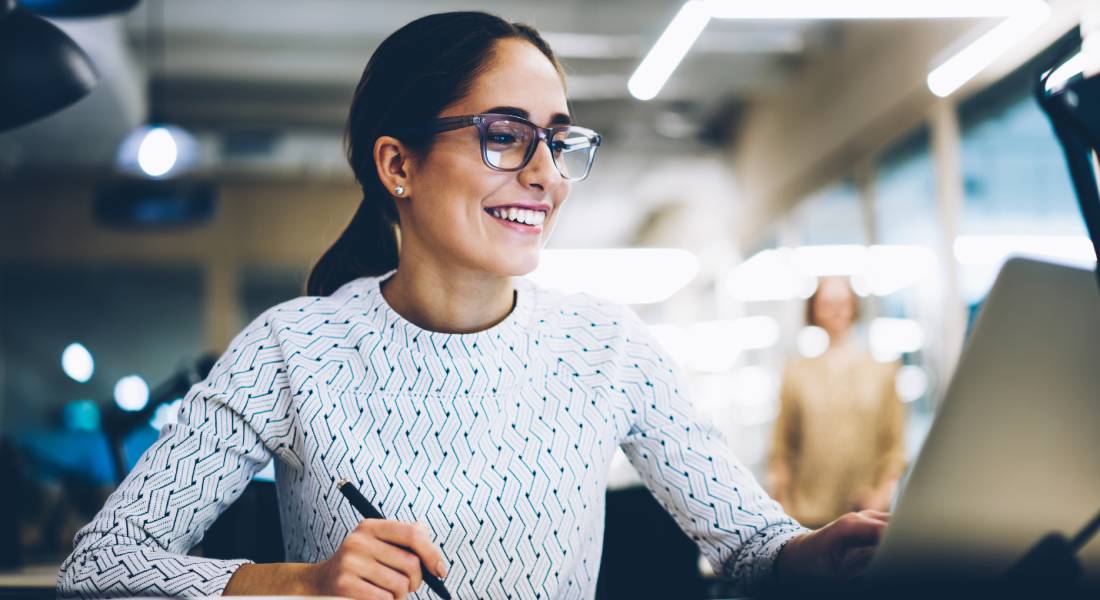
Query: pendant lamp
42,70
157,149
77,8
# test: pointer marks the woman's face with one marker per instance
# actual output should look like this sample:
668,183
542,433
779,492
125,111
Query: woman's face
834,306
448,216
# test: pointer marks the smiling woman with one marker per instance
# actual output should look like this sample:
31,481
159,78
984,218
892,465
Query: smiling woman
477,411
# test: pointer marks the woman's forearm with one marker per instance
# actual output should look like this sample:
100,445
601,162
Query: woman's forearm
275,579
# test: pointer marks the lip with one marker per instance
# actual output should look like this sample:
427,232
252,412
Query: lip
525,205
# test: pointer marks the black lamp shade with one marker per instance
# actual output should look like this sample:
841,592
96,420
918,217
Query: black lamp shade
77,8
42,70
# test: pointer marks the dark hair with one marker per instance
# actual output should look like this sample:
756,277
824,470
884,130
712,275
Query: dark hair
414,74
811,317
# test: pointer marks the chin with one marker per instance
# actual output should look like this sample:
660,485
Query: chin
516,264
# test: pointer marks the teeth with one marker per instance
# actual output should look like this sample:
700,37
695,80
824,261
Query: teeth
520,215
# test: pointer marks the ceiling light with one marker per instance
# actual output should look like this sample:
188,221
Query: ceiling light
911,383
626,275
890,338
670,49
77,362
131,393
994,249
157,151
1021,18
778,274
768,276
862,9
812,341
954,72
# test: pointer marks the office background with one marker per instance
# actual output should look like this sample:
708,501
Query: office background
777,152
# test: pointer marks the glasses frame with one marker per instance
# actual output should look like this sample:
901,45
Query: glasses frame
544,134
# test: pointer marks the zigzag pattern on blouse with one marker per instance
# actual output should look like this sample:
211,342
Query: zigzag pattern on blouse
499,441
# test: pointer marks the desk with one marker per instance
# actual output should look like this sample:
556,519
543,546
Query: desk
30,576
34,582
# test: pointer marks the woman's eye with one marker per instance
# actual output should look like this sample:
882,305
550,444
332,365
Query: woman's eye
502,138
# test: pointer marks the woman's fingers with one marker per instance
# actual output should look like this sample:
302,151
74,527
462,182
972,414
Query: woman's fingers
370,591
362,565
386,578
359,577
380,560
858,529
876,514
836,552
398,559
413,536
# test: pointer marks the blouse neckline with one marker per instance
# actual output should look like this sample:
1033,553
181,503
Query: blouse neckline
510,334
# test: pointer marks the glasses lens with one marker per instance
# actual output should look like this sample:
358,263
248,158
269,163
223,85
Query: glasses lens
506,143
573,151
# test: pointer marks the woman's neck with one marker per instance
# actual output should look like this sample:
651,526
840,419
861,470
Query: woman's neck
436,299
839,339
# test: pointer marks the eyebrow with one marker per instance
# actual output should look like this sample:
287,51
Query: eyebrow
557,119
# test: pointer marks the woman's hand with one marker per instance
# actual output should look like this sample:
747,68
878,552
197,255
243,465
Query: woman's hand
379,560
836,553
877,498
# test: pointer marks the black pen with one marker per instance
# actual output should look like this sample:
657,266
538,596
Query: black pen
368,511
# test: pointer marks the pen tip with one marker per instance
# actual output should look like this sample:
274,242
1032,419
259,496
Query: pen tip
341,483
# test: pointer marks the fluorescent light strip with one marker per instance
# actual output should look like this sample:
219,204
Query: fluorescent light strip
945,79
626,275
1023,17
863,9
994,249
670,49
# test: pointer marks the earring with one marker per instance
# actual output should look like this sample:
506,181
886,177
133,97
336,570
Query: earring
399,190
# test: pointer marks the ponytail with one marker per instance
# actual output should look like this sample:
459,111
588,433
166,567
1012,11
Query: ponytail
368,246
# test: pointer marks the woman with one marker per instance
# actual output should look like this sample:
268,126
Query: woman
478,412
838,439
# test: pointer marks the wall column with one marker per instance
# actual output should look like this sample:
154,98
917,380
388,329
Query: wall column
222,305
947,161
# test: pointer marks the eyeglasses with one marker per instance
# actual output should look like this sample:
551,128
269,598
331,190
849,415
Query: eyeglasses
508,142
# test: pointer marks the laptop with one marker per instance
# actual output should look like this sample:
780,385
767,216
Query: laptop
1013,454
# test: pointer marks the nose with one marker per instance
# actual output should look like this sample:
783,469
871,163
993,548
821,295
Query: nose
540,172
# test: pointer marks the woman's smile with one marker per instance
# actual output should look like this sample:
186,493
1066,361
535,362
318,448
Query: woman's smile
525,219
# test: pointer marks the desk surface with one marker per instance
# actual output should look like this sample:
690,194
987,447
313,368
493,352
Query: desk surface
30,576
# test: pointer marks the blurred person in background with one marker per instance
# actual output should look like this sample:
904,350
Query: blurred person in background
838,439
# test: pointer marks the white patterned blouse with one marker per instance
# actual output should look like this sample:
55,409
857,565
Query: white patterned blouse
498,440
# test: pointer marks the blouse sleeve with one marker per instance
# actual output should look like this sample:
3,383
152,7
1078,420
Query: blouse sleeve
688,466
137,544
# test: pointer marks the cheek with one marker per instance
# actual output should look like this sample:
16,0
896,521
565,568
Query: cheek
560,196
453,195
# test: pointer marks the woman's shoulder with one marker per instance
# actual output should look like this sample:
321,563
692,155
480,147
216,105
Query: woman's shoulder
303,312
569,309
601,330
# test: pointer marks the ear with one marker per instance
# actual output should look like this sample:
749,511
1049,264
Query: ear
393,159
